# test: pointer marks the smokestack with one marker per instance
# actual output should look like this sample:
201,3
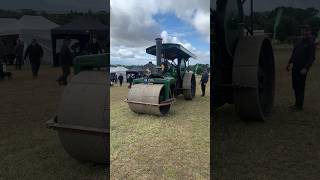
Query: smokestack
158,50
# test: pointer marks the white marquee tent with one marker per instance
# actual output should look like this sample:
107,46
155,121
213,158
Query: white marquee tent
119,70
32,27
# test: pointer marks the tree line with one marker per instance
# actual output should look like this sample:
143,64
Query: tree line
197,68
290,22
58,18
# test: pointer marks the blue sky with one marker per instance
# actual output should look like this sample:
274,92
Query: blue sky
135,26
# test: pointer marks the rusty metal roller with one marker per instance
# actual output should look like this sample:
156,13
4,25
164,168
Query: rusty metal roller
82,121
145,99
254,77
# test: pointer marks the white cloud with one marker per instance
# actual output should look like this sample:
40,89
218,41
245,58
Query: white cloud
173,39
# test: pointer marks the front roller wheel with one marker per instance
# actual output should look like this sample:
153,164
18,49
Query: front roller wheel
254,77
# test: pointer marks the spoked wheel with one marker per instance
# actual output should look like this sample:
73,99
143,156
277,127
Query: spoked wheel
189,88
254,77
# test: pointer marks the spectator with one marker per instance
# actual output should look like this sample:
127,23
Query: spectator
130,81
65,62
301,60
120,79
18,51
35,54
204,81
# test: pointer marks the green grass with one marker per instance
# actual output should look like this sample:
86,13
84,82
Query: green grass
175,146
286,146
28,150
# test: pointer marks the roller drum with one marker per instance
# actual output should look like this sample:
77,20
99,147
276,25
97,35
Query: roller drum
82,121
145,99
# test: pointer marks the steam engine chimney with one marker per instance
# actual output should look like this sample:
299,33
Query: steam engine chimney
159,50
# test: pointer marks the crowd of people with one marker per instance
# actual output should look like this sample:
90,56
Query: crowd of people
115,78
34,53
119,77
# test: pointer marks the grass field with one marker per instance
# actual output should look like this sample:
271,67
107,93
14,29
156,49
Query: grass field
286,146
176,146
28,150
149,147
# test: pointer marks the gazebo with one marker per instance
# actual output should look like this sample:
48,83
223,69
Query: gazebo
81,29
137,72
28,28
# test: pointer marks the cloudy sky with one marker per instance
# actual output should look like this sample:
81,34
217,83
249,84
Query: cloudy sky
136,24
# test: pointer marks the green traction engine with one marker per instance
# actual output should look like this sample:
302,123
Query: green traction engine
156,91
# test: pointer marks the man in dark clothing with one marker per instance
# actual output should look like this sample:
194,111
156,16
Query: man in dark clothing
35,54
94,47
18,50
120,79
300,62
204,81
65,62
2,50
130,81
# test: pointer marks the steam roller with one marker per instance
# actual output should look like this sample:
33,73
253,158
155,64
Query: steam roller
82,121
156,91
243,63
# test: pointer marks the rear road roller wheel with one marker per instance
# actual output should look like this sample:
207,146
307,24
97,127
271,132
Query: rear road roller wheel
189,86
254,77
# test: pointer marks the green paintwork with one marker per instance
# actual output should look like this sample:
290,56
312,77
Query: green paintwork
97,60
169,76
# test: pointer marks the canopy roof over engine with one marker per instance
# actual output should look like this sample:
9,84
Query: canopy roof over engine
172,51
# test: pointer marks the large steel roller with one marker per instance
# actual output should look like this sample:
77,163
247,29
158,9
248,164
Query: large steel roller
244,72
82,121
254,77
145,99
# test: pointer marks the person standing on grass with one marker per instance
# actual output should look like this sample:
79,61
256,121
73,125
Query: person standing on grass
302,58
35,54
18,50
204,81
120,79
2,48
130,81
65,61
116,78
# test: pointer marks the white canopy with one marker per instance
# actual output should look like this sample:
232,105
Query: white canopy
33,27
119,70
